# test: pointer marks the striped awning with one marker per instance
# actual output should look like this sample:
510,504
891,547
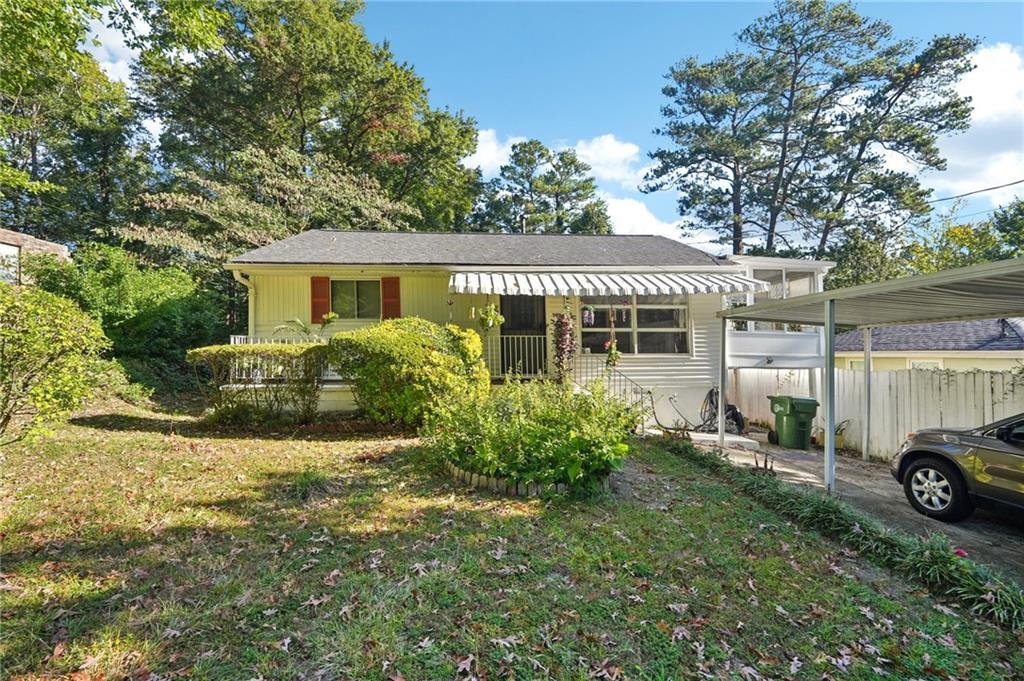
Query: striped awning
599,284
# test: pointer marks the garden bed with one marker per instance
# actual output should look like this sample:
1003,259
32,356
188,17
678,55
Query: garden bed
511,487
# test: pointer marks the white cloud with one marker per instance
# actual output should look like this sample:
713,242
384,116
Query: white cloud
991,152
632,216
612,159
491,153
112,53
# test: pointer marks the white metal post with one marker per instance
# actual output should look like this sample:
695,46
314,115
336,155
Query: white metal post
830,396
866,419
723,377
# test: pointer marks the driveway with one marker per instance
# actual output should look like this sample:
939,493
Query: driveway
991,538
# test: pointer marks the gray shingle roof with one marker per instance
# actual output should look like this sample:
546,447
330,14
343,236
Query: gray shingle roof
982,334
335,247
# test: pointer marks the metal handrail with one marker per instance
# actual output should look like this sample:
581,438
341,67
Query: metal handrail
590,368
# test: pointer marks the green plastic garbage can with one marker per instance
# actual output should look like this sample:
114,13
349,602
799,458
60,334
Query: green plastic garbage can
794,417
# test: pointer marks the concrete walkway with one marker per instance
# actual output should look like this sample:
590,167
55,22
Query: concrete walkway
990,538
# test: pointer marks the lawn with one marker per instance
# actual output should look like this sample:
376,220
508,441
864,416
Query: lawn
144,545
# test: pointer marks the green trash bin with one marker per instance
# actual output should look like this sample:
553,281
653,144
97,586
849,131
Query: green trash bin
794,418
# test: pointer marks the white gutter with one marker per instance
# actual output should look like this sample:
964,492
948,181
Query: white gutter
250,298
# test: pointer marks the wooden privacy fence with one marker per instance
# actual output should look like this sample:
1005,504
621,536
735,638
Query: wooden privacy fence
901,401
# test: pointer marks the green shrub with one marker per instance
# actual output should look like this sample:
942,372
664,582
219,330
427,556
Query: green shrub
153,315
113,380
930,561
261,381
401,369
535,432
48,353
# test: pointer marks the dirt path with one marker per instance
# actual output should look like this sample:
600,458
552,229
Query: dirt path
990,538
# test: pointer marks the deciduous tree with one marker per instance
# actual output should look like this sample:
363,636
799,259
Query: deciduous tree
302,75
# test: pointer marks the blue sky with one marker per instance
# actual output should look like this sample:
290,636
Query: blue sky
589,74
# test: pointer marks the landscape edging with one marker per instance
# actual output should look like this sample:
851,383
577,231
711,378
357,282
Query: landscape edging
509,488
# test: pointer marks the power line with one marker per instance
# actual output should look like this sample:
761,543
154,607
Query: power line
977,191
726,239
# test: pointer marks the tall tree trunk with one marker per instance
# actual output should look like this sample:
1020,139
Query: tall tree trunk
737,209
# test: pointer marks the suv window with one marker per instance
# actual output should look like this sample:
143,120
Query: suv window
1016,432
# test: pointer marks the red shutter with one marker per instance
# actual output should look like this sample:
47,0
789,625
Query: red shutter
390,298
319,298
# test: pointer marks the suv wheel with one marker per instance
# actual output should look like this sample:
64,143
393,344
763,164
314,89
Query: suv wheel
935,488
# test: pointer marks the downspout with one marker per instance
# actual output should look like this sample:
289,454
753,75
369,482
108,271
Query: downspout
247,282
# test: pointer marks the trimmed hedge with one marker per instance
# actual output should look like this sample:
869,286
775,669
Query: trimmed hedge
264,380
402,369
930,561
536,432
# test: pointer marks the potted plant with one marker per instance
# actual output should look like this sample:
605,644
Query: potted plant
490,317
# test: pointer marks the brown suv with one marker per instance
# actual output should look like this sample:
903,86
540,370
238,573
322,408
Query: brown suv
946,472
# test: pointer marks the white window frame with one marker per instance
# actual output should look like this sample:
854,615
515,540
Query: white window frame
357,318
633,329
913,363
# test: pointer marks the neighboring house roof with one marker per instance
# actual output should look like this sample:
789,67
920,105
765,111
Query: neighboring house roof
30,244
978,335
335,247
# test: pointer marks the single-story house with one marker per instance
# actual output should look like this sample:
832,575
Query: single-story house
14,245
983,344
660,296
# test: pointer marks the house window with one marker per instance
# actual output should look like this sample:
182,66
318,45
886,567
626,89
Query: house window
643,324
352,299
857,364
926,364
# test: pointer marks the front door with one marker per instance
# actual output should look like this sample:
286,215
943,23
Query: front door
1001,464
523,335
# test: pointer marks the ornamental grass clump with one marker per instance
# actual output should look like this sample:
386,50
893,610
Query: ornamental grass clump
537,432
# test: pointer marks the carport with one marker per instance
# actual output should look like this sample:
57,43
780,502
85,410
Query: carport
983,291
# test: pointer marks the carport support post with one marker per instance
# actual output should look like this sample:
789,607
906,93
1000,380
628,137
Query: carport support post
865,436
723,378
830,396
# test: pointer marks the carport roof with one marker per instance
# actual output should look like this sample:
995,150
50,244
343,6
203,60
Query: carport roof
977,292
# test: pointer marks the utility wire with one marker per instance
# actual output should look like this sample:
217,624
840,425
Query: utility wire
939,200
977,191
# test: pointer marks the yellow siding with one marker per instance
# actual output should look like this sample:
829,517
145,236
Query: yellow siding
983,363
950,362
877,363
338,398
281,298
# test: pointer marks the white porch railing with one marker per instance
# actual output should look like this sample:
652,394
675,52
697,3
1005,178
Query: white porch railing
514,354
251,370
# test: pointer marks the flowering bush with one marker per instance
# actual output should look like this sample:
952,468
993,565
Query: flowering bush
611,346
535,432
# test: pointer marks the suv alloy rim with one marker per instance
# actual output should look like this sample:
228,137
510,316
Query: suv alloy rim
931,489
